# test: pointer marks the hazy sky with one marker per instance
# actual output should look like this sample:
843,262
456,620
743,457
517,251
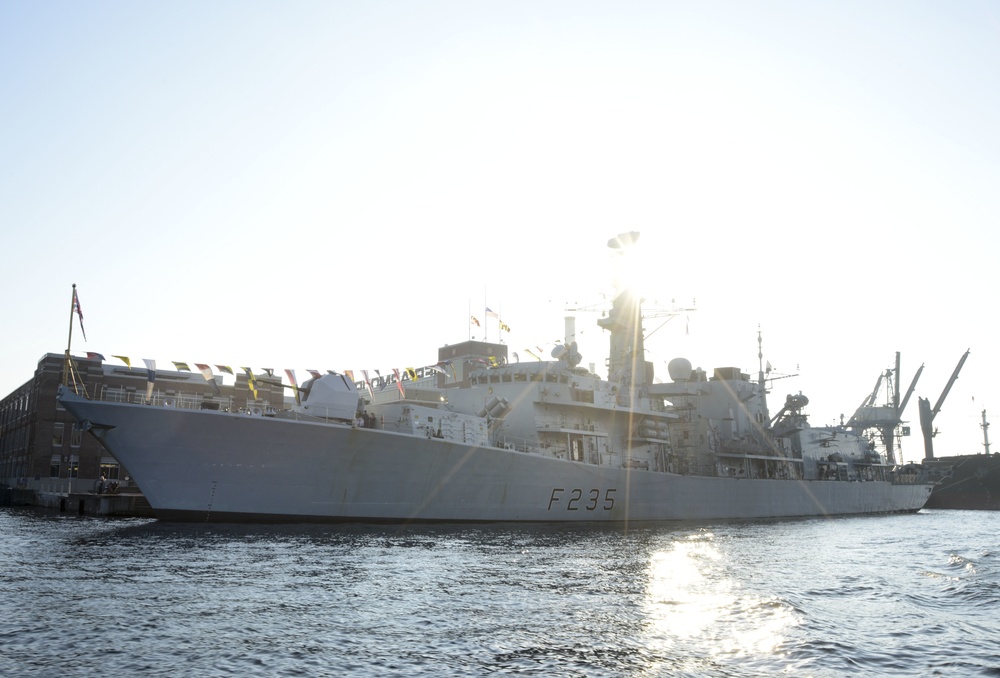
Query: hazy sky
333,185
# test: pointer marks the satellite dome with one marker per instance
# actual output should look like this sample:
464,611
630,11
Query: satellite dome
679,369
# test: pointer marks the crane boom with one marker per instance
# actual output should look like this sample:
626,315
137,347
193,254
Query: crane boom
951,382
870,400
927,414
909,391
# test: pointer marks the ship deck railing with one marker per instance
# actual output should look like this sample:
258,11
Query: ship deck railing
518,444
733,455
185,401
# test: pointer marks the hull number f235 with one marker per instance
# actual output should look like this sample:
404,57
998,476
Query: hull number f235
576,499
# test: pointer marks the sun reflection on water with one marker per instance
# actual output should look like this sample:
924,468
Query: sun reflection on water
691,597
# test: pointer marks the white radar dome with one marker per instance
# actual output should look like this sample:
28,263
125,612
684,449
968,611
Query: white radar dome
679,369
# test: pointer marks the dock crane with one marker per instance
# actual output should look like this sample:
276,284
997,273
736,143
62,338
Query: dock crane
927,414
885,418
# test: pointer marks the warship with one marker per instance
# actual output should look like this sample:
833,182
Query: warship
479,437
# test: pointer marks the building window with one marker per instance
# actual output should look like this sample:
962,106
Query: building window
57,434
54,466
75,435
110,470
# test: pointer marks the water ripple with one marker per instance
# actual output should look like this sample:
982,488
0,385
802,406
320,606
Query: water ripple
893,595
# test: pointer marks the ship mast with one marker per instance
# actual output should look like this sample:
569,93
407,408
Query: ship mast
760,375
986,435
627,358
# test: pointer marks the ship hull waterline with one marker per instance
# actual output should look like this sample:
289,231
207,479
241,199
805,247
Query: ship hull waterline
222,467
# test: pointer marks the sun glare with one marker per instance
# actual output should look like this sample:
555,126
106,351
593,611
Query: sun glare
632,265
690,597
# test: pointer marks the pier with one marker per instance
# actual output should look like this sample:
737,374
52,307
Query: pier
118,505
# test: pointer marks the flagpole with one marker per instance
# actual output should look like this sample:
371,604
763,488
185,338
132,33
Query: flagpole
69,340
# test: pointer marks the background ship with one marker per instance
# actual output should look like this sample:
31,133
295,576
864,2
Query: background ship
969,481
485,439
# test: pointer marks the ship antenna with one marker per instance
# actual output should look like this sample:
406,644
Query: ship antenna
986,436
760,356
760,375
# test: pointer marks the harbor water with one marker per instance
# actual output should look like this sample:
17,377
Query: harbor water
902,595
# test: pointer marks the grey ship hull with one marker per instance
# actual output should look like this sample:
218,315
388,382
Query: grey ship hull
217,466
